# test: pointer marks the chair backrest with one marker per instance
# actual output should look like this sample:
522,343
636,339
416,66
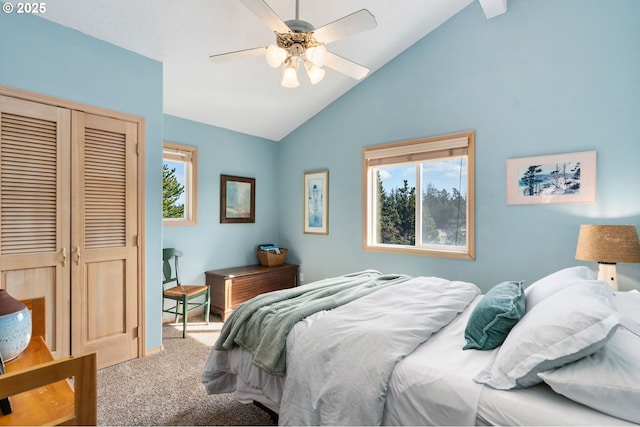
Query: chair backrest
170,272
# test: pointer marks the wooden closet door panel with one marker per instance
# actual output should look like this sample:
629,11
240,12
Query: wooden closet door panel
104,238
34,210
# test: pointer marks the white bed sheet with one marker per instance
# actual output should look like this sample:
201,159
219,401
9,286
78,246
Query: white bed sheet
538,405
424,384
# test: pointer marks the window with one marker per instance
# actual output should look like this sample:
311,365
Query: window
418,196
179,189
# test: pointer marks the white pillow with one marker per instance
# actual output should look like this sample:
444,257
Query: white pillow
554,282
608,380
568,325
628,304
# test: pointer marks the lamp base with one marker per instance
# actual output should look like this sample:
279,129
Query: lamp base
607,273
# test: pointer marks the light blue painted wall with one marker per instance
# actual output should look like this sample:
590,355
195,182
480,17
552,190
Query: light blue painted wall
47,58
211,245
547,77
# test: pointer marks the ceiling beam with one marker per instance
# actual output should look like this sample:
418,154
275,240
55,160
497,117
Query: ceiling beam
493,8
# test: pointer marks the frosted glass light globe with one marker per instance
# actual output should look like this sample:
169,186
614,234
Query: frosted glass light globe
275,55
316,55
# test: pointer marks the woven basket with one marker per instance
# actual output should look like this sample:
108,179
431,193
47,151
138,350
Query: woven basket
271,259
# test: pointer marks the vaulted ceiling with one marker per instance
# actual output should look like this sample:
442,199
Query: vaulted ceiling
244,95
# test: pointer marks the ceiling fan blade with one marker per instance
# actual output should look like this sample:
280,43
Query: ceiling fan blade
357,22
238,54
264,12
345,66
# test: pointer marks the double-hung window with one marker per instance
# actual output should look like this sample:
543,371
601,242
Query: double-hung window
418,196
179,184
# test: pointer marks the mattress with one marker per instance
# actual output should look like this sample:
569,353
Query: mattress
432,386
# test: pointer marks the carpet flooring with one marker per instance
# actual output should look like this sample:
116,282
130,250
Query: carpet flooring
165,388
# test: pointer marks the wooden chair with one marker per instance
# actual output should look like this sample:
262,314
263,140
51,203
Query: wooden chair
181,294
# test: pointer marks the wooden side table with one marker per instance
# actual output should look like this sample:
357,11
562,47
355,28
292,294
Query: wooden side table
232,286
38,385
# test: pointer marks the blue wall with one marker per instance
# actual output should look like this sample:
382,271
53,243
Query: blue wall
547,77
47,58
209,244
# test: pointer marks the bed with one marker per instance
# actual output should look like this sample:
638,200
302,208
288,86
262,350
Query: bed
368,348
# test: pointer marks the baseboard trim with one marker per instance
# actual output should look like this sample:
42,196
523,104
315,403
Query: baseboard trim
155,350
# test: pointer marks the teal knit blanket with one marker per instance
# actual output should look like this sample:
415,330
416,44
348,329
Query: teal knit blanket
261,324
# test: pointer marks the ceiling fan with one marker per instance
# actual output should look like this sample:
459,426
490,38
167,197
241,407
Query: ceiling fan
298,43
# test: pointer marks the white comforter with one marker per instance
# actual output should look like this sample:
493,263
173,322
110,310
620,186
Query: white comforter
338,369
432,386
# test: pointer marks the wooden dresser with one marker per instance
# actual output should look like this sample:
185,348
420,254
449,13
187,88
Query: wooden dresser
232,286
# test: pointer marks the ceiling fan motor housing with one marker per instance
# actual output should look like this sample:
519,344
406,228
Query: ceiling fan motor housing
299,26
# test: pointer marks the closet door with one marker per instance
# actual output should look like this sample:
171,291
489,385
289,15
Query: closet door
104,238
34,210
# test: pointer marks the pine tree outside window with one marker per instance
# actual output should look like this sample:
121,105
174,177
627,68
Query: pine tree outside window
179,179
419,196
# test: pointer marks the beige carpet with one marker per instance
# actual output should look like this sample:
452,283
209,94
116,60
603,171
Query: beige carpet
165,388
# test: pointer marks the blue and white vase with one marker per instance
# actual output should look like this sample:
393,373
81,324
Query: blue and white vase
15,326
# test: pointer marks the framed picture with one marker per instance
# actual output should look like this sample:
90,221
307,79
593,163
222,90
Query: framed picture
237,199
316,202
558,178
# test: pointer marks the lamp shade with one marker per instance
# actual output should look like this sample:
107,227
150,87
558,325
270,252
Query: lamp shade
608,244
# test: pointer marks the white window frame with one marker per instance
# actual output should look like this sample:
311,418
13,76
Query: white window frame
415,152
188,155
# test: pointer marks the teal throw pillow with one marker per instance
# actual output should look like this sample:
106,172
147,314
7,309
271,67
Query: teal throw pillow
494,316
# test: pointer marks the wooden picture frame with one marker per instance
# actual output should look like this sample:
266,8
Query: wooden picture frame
557,178
237,199
316,202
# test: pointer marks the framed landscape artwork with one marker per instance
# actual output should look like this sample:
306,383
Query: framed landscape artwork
558,178
316,202
237,199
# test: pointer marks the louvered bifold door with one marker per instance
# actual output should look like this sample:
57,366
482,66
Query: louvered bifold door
34,210
104,238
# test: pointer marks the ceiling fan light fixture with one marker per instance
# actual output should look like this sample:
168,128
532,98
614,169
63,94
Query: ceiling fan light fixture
296,51
289,75
315,73
275,55
296,44
316,54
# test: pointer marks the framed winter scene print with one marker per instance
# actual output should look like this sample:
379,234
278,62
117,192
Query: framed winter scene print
557,178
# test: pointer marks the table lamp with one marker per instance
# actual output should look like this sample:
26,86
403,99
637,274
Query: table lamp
608,245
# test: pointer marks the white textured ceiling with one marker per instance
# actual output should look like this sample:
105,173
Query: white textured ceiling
244,96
